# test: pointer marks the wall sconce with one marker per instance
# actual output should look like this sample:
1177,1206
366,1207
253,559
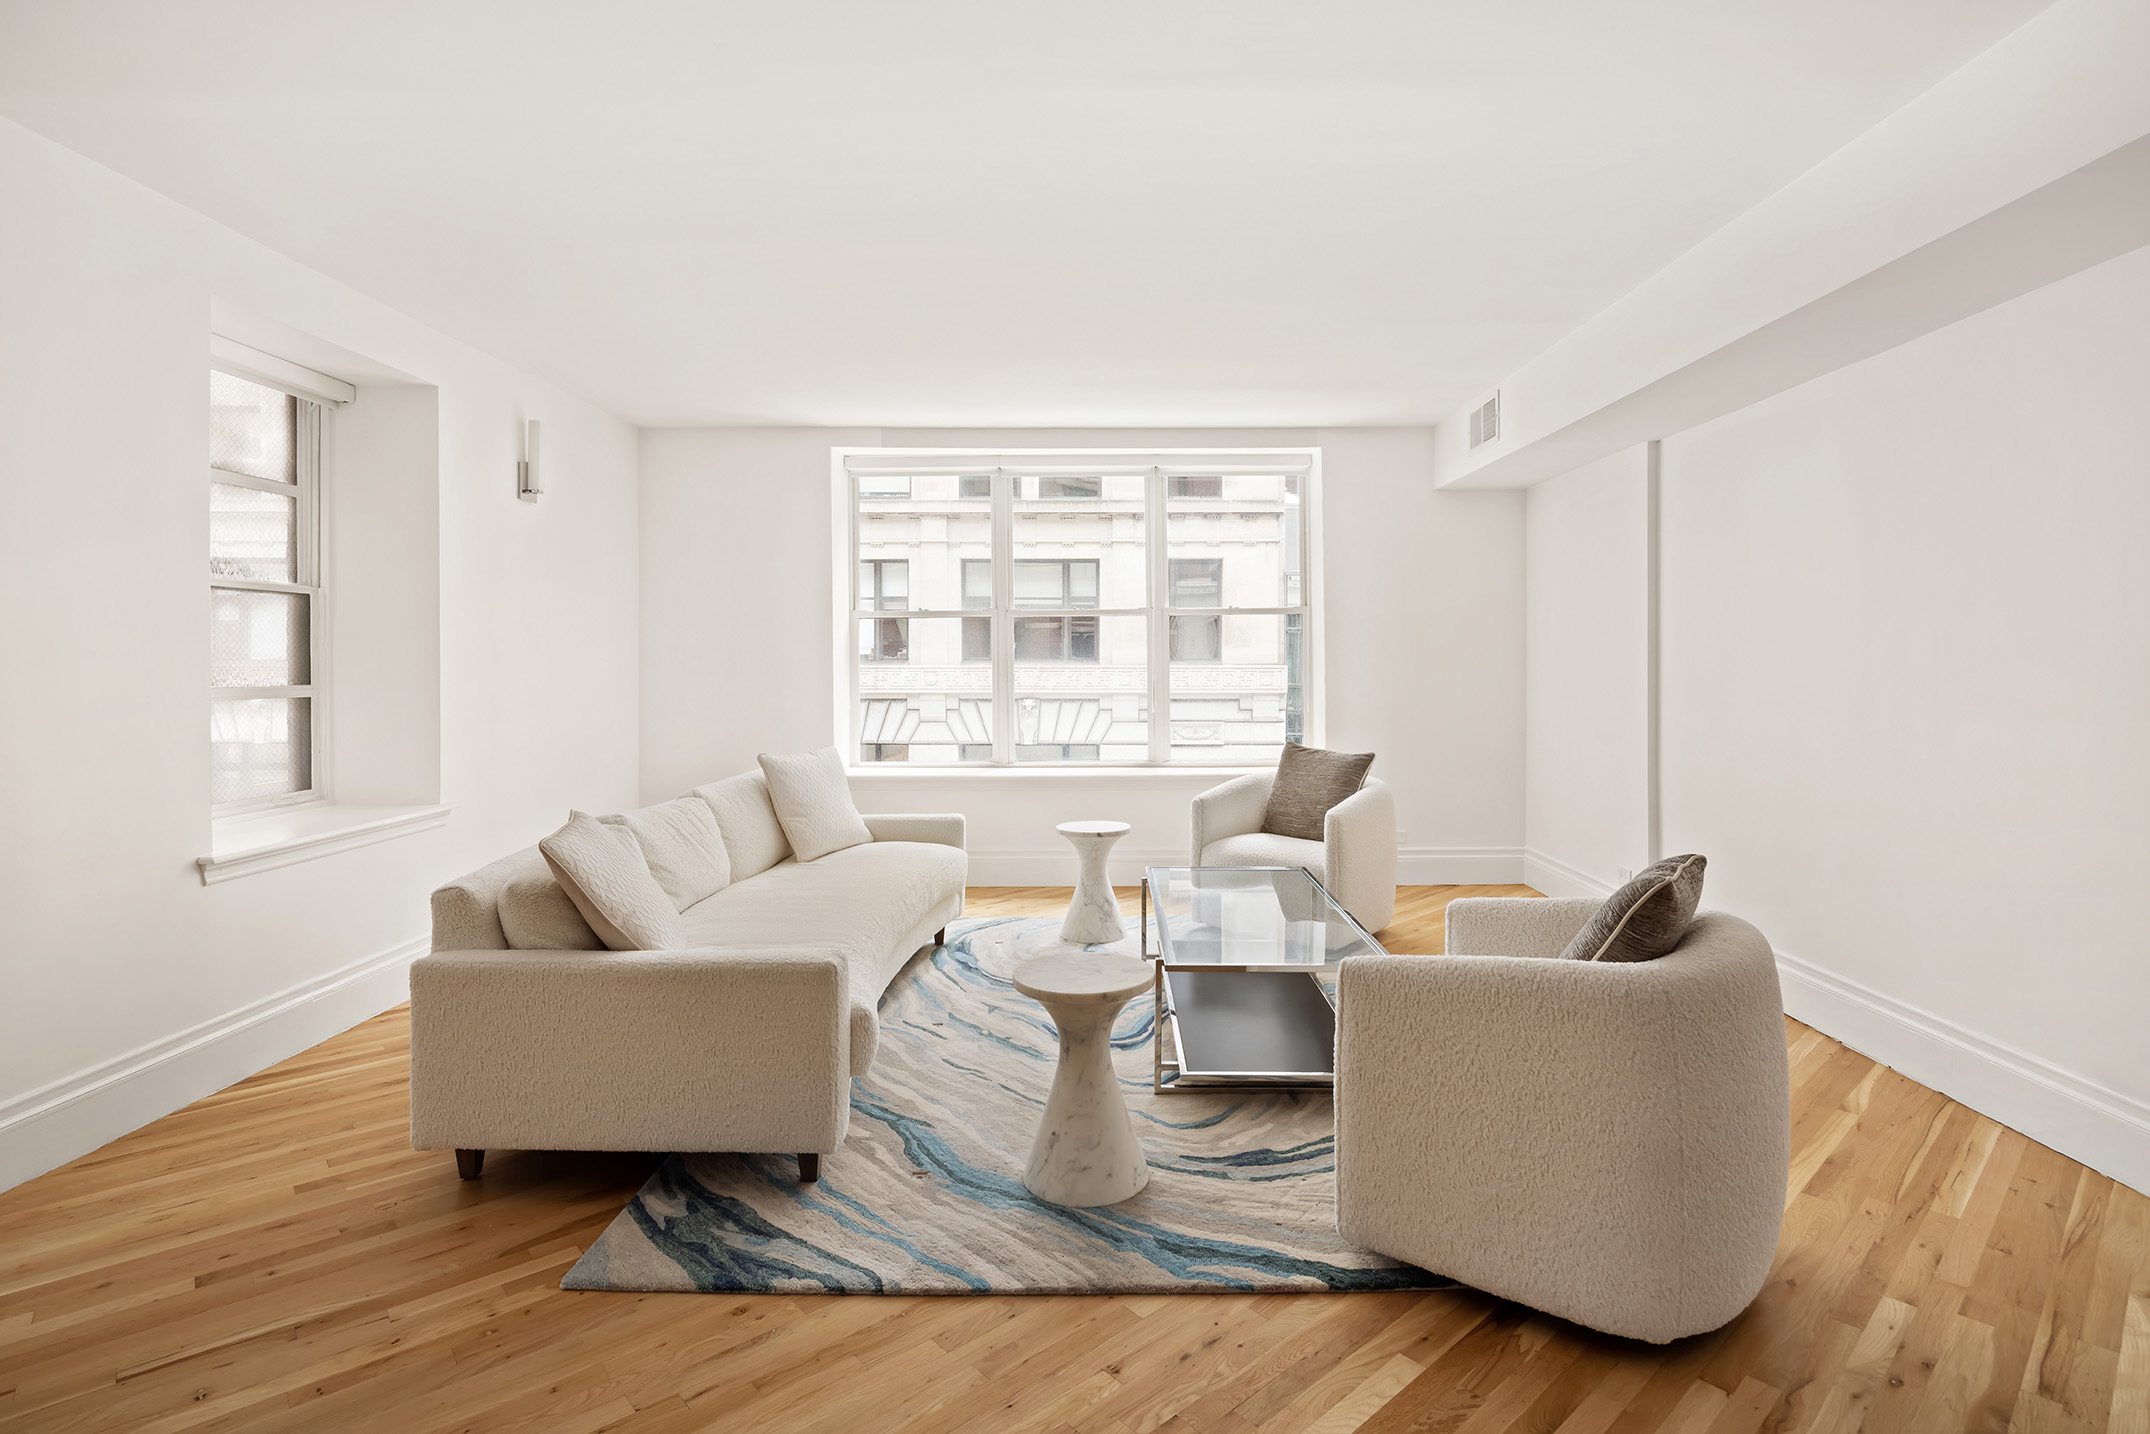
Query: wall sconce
527,486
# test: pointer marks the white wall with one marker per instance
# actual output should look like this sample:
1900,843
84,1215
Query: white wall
1586,772
1906,688
131,988
1421,615
2027,164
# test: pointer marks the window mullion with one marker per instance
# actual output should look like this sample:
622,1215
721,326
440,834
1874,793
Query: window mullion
1153,524
1003,617
307,448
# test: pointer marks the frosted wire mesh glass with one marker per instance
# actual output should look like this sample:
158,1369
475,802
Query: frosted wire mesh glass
252,429
259,748
252,534
1257,918
258,639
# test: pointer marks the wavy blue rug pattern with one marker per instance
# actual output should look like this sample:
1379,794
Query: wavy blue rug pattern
926,1196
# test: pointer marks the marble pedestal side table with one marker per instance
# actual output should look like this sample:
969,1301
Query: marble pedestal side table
1085,1152
1094,914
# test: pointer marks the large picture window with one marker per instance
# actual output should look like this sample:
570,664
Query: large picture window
264,595
1076,609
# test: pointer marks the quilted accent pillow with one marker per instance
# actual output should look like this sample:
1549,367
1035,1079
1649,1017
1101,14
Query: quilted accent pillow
681,844
1646,918
601,869
813,803
1309,782
537,916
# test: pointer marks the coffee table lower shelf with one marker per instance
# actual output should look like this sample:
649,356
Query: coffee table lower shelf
1242,1030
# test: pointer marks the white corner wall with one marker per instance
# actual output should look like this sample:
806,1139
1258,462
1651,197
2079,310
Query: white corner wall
1586,777
1905,693
130,987
1421,614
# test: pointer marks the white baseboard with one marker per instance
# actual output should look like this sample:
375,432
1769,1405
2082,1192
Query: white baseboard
1552,877
2106,1130
1415,865
1055,866
1459,865
47,1127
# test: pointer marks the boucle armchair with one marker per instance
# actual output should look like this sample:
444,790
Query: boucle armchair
1606,1142
1355,860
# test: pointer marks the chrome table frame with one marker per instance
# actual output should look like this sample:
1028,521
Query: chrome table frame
1168,1076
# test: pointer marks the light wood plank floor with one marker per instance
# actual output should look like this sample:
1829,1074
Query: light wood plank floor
276,1258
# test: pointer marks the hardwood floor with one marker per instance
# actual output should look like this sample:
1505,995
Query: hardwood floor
276,1258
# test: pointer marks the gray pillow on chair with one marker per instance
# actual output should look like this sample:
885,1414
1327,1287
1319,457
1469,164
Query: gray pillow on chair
1646,918
1309,782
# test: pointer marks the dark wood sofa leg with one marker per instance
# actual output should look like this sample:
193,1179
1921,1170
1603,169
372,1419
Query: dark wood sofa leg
940,937
809,1169
469,1162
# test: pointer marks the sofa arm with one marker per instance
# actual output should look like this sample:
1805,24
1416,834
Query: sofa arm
1359,839
630,1050
1234,809
1516,925
943,828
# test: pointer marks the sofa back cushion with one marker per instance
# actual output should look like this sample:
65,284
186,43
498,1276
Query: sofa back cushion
602,870
681,844
753,838
537,915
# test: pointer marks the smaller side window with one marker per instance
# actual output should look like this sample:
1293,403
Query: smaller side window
1197,582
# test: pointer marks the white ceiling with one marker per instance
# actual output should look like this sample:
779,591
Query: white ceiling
921,212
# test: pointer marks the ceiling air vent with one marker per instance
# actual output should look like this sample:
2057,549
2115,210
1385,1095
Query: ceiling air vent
1486,421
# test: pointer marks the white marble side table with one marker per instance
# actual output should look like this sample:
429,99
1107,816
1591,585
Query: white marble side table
1094,914
1085,1152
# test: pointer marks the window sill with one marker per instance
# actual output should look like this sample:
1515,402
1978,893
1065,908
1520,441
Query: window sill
264,841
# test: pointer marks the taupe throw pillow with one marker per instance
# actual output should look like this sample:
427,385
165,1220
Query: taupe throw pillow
1309,782
601,869
1646,918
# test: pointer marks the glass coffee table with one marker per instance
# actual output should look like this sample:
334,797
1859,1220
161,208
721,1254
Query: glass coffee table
1240,952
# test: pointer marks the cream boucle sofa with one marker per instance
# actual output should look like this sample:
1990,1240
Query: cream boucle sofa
1355,861
1607,1142
744,1040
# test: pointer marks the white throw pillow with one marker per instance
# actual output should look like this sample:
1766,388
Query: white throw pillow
813,802
681,844
601,869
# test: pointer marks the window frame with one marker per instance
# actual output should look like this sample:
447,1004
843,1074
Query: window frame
1003,468
309,444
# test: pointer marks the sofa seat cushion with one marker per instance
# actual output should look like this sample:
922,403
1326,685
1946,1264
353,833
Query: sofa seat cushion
860,902
1269,849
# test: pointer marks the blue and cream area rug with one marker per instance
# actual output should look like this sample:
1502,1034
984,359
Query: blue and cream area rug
927,1197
